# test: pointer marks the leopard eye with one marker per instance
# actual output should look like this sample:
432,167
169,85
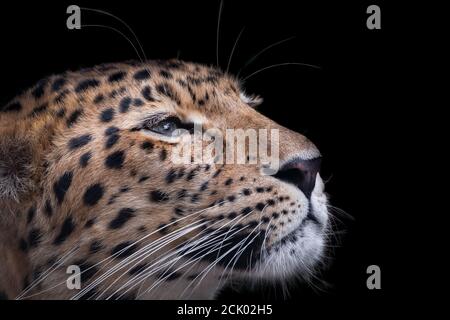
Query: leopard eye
169,127
166,127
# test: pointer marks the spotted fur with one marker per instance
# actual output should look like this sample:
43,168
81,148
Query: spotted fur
82,184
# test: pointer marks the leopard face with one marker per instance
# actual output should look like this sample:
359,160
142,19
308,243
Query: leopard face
88,180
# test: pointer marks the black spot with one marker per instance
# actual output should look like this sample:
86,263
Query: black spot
169,275
111,130
178,211
66,230
73,118
48,210
165,74
58,84
163,155
124,104
182,193
232,215
84,159
36,111
60,97
61,112
167,91
117,76
39,90
88,270
158,196
171,176
204,186
93,194
115,160
80,141
138,102
246,210
147,145
137,269
14,106
99,98
107,115
275,215
195,198
124,249
216,174
193,276
271,202
61,186
112,140
265,219
95,246
124,189
259,189
23,245
231,198
34,237
162,228
122,217
31,214
143,178
247,192
86,84
147,93
89,223
260,206
191,175
142,74
228,181
252,224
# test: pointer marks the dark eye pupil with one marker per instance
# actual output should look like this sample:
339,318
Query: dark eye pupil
168,126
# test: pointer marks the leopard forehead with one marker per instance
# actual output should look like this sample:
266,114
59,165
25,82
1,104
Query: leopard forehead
98,185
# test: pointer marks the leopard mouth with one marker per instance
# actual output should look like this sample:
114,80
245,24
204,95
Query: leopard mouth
294,235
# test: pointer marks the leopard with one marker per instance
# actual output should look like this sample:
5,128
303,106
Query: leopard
93,206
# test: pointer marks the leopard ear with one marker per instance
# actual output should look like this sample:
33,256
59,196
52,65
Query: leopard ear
15,167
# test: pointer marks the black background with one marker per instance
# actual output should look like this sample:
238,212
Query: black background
344,107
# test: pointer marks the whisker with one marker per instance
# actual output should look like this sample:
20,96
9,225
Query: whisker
121,21
214,263
218,31
234,47
136,255
282,64
261,52
202,245
58,263
144,273
142,251
119,32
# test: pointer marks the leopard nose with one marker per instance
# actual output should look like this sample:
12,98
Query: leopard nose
301,173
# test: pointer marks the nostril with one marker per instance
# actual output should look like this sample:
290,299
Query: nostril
301,173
